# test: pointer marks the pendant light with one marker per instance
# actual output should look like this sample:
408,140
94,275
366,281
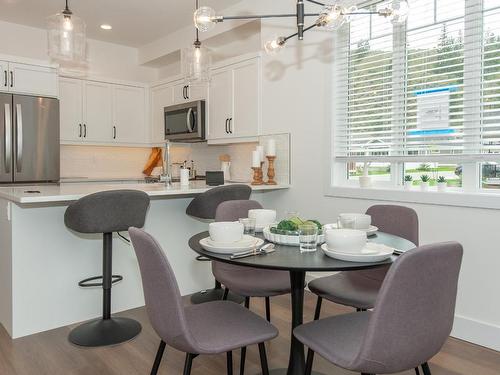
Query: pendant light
196,61
66,37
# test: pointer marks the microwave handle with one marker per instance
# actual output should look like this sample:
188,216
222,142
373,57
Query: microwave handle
188,120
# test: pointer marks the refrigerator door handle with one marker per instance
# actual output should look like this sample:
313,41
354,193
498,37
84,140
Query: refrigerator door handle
8,138
19,138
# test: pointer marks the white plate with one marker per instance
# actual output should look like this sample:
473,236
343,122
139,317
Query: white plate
284,239
229,250
372,252
246,240
369,232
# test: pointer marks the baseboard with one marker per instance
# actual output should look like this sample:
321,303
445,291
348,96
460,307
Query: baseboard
476,332
467,329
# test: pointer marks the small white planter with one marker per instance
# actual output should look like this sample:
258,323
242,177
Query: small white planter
424,186
365,181
408,185
442,186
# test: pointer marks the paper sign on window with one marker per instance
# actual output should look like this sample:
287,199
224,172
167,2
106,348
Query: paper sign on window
433,112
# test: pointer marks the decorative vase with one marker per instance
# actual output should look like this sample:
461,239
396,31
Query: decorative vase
442,186
424,186
408,185
365,181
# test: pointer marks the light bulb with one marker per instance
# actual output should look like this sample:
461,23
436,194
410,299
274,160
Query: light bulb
399,12
272,47
205,19
67,23
332,17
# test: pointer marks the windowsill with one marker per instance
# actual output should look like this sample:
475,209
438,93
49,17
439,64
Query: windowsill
458,198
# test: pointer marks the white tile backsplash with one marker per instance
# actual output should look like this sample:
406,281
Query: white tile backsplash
128,162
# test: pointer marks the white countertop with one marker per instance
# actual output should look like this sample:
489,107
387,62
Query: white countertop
67,192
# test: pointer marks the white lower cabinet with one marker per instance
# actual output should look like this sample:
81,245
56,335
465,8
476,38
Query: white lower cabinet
235,102
102,113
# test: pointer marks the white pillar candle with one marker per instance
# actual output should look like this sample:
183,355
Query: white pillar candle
255,159
271,147
260,149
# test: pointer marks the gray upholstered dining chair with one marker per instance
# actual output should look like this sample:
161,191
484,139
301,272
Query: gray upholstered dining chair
203,207
208,328
359,289
246,281
412,318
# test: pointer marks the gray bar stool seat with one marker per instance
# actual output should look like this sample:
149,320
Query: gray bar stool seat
203,207
106,212
208,328
412,317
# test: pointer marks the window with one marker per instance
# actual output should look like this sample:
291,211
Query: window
426,93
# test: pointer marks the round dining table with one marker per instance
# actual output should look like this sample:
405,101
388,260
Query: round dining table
289,258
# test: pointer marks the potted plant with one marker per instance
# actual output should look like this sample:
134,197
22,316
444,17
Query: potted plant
442,183
424,182
365,181
408,182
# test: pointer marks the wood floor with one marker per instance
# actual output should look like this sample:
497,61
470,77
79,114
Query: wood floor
50,352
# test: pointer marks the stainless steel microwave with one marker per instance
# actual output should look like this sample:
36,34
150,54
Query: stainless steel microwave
185,122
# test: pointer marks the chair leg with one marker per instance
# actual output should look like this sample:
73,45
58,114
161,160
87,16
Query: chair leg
244,349
360,310
268,309
229,363
309,362
417,371
263,359
426,369
159,356
188,363
226,292
317,311
242,360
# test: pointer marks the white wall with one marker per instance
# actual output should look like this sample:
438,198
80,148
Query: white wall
105,59
296,98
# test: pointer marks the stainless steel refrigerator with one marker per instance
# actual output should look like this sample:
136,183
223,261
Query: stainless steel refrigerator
29,139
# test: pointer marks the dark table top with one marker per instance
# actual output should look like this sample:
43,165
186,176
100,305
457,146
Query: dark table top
291,259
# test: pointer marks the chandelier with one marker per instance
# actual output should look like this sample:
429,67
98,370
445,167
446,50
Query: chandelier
331,17
66,37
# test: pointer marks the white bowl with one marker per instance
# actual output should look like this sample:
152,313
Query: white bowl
226,231
359,221
262,217
346,240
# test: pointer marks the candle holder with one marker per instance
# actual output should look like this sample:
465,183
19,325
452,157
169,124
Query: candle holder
271,173
257,176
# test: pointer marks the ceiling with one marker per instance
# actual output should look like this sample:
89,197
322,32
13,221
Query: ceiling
135,22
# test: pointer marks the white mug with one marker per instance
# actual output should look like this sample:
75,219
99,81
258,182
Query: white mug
226,231
262,217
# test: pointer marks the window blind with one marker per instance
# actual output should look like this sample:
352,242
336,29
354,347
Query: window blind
445,60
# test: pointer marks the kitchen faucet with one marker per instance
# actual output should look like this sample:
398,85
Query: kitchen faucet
166,174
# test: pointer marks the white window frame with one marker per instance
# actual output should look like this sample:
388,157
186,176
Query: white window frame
471,194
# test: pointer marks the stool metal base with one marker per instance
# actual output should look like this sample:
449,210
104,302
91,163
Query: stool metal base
215,294
284,371
105,332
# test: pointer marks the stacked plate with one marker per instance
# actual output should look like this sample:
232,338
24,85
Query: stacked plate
372,252
372,230
246,243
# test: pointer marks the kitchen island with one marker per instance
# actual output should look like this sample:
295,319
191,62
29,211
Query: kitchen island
42,261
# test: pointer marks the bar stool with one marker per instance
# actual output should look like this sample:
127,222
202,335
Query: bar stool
203,207
106,212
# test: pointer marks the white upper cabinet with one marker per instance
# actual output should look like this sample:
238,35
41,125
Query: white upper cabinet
189,93
4,71
129,114
29,79
161,97
71,109
220,104
98,112
102,113
234,106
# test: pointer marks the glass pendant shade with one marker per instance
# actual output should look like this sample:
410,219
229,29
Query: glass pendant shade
400,12
274,46
333,17
66,38
196,61
204,19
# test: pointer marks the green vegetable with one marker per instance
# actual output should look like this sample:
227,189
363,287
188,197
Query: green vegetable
318,224
288,225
